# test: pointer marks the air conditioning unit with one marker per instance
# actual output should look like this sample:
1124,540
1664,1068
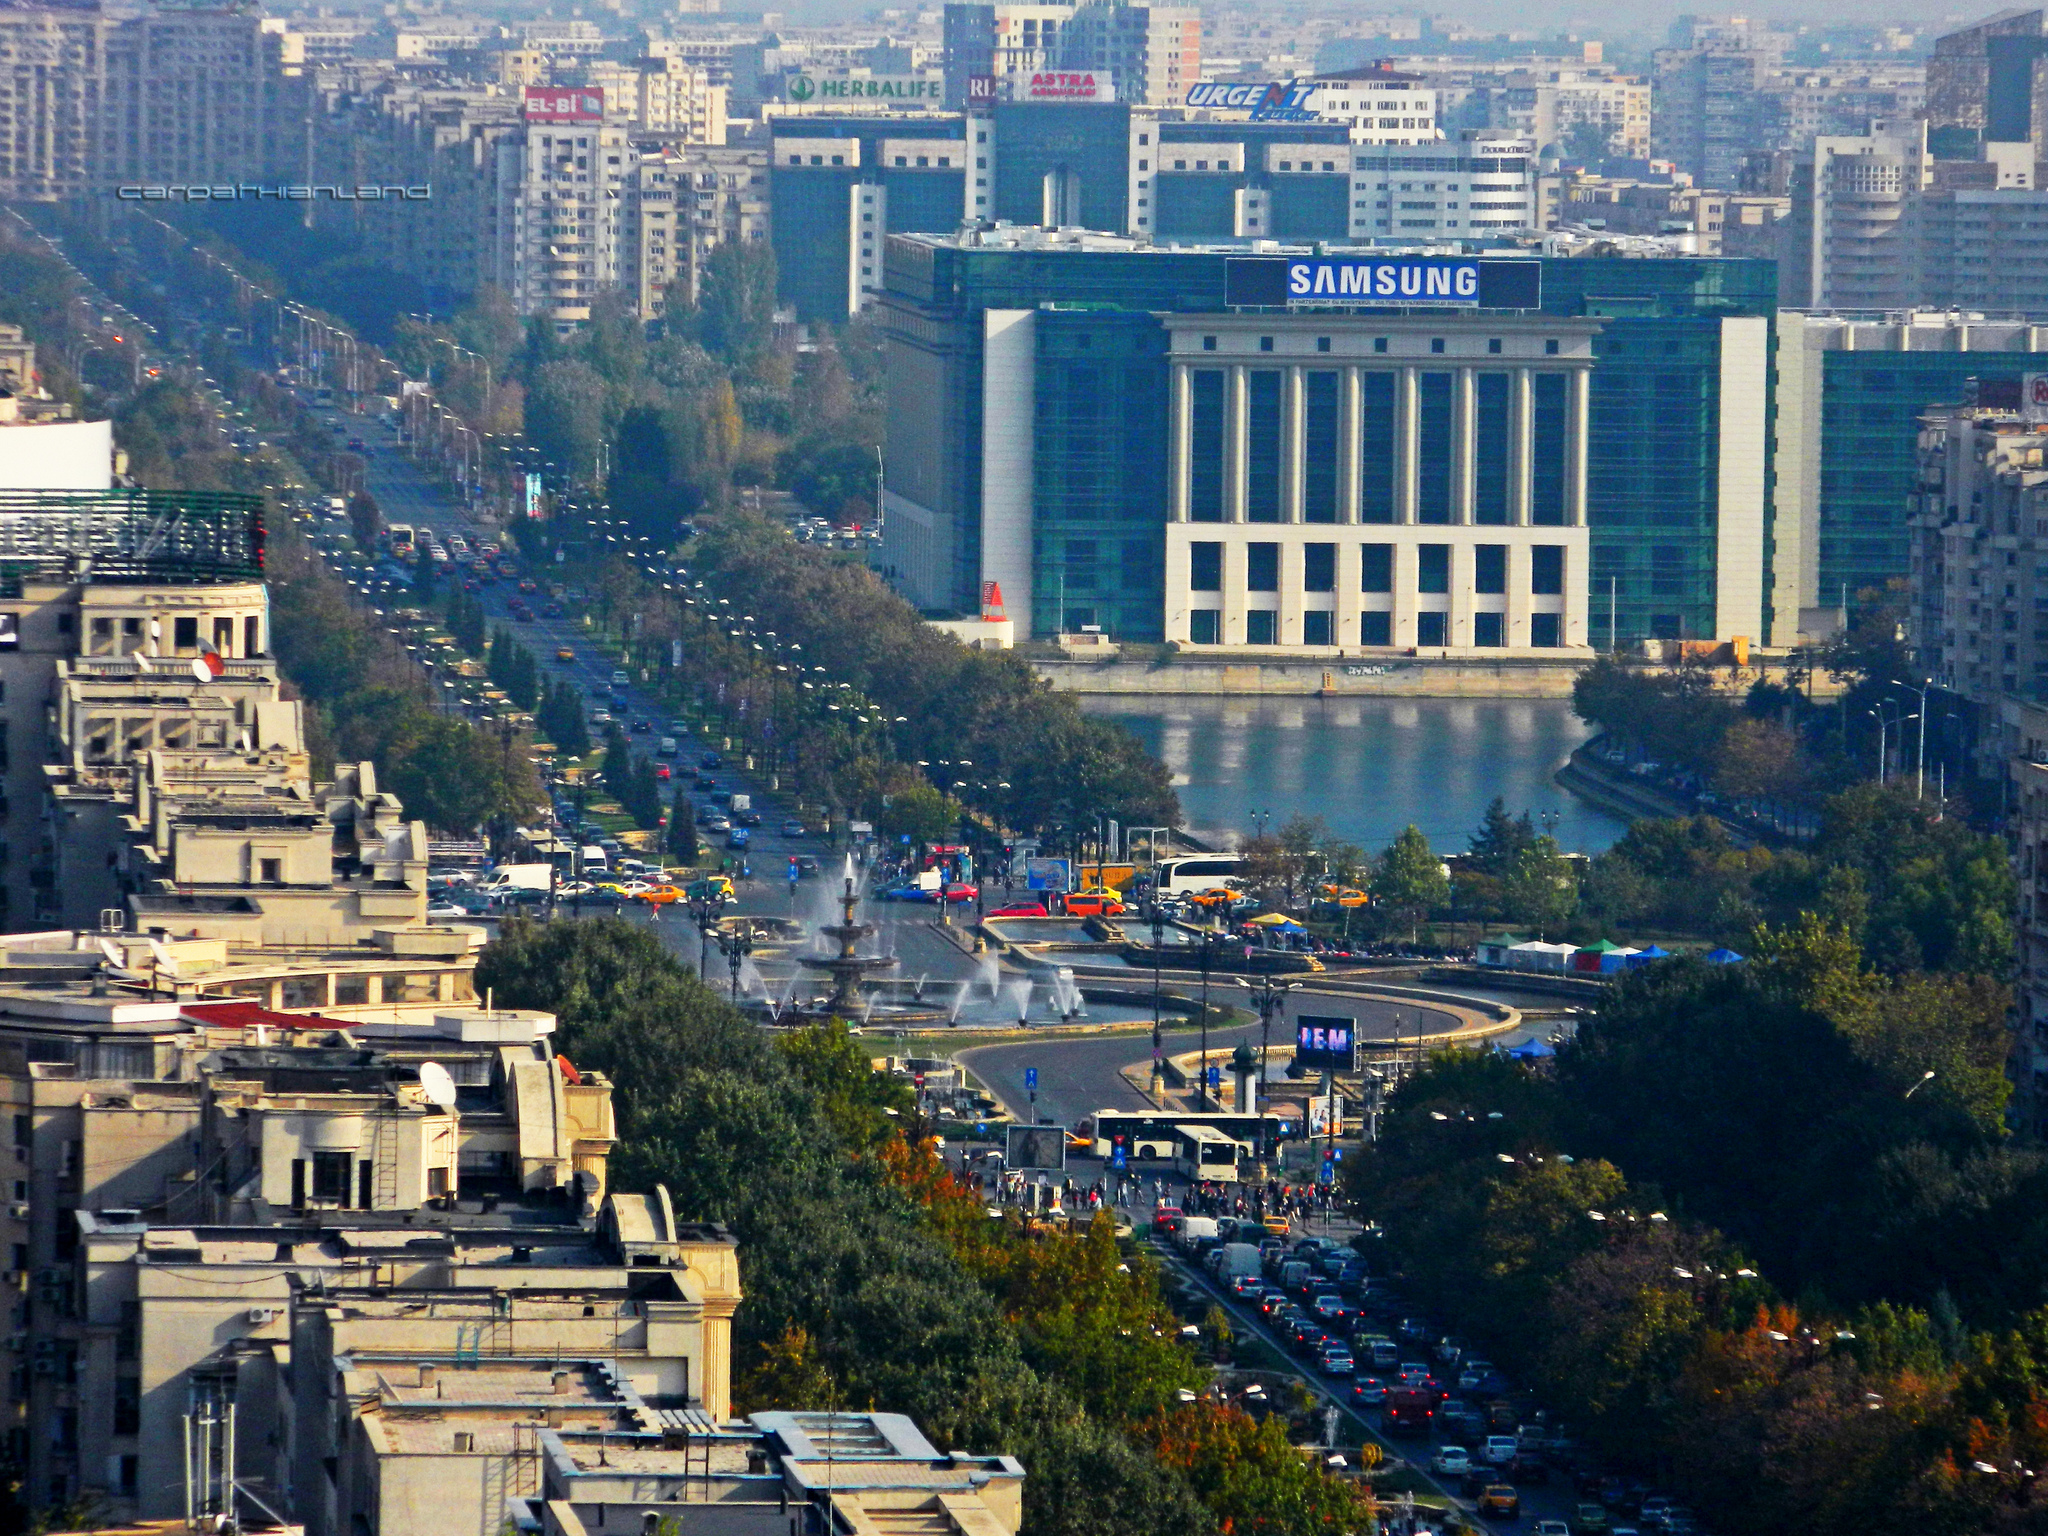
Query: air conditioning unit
19,1210
262,1315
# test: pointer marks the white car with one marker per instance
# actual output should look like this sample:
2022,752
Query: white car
1450,1461
1499,1450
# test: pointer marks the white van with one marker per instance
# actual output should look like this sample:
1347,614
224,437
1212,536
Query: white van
666,747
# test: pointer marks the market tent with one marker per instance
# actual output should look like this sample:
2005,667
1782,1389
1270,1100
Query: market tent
1600,959
1723,957
1643,957
1278,920
1538,956
1530,1050
1496,951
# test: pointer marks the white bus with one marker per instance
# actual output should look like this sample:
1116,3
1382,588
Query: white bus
1190,874
1202,1152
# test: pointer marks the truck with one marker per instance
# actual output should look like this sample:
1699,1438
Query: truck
1233,1259
507,878
741,802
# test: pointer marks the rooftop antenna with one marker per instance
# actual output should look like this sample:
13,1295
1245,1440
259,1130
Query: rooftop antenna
438,1086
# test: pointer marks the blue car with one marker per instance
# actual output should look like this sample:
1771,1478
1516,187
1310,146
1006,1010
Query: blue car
906,893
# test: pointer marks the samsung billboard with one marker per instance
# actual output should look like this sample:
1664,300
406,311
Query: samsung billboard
1431,282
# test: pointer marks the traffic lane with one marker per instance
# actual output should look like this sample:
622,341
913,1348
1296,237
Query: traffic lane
1249,1320
1081,1074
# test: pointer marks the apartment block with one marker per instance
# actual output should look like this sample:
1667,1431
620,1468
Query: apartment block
1708,110
1152,53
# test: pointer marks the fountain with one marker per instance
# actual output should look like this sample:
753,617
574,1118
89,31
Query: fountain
849,967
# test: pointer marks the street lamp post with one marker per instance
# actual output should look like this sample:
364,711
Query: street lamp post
1271,999
701,910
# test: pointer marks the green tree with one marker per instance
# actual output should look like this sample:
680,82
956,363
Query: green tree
1500,840
1540,888
736,305
921,813
1410,881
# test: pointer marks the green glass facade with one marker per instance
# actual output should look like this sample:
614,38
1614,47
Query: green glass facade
1099,473
1871,404
1654,448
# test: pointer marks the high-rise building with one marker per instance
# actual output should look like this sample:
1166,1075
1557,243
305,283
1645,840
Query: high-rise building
1708,111
1982,83
1141,402
53,80
1850,394
1848,243
1151,52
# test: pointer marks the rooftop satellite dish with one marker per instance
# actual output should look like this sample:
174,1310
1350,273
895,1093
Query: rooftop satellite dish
439,1086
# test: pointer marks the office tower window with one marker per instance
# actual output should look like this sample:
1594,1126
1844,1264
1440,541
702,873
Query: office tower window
1081,565
1434,438
1489,630
1544,631
1205,445
1375,629
1376,566
1261,627
1379,343
1322,343
1491,457
1550,349
1490,569
1432,629
1315,628
1262,567
1265,343
1493,345
1139,568
1205,627
1550,434
1436,345
1546,570
1263,409
1319,448
1377,458
1432,567
1205,566
1208,343
1319,567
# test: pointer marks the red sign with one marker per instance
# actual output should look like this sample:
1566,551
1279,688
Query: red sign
564,104
1070,85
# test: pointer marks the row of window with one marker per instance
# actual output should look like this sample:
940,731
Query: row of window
1432,630
1378,493
1376,568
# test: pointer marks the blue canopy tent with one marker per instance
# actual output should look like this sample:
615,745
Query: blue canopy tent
1643,957
1530,1050
1723,957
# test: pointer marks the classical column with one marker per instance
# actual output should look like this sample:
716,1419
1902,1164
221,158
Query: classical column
1350,429
1407,426
1293,445
1575,448
1183,442
1522,437
1465,444
1237,442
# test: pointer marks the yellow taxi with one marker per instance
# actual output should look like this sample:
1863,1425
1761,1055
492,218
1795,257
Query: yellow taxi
660,894
1342,896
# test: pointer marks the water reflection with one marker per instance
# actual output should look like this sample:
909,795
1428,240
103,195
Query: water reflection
1368,767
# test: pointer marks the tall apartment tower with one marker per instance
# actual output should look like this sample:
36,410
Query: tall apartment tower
1154,52
52,81
1708,110
1849,242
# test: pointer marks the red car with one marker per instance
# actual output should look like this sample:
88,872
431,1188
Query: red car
661,770
960,891
1020,909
